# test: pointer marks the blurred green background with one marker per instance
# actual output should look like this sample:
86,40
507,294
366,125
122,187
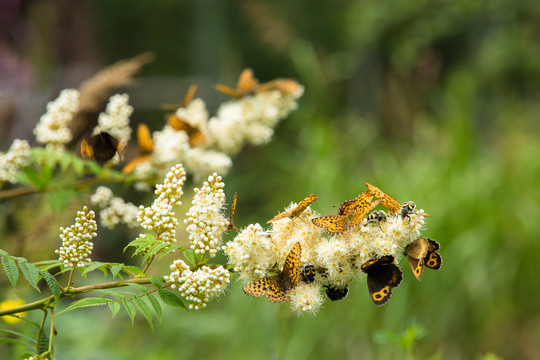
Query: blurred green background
433,101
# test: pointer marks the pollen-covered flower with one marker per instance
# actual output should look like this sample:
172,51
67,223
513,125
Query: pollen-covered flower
115,119
199,286
52,128
306,298
11,162
76,245
205,220
160,217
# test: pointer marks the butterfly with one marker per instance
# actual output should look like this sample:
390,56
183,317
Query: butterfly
101,147
196,137
233,209
185,102
422,252
382,276
246,85
287,86
336,293
350,213
387,201
276,287
146,144
296,211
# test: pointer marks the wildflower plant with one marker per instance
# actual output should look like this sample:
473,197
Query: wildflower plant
299,256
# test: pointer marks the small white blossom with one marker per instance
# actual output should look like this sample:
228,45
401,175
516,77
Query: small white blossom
76,245
205,220
11,162
52,128
199,286
115,119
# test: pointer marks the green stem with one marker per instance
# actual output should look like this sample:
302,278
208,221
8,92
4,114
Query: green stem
52,331
41,329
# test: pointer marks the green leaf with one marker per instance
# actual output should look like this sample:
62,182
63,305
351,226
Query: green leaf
170,250
10,267
34,177
153,250
145,310
139,287
65,160
16,341
93,267
53,285
157,281
31,273
132,269
94,167
3,253
190,256
20,335
43,344
155,304
86,302
115,270
114,306
141,243
78,166
170,298
130,309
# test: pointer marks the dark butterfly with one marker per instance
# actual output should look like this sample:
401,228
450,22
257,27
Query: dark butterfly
276,287
336,293
308,274
382,276
422,252
101,147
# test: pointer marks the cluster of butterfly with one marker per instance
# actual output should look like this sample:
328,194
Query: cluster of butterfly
382,274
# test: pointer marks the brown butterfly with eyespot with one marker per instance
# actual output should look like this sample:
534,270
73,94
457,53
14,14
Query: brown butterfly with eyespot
276,287
350,214
100,147
382,276
296,211
422,252
246,85
146,145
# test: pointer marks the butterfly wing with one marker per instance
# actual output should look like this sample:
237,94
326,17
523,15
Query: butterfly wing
417,266
303,205
382,276
433,261
259,287
291,272
334,224
276,292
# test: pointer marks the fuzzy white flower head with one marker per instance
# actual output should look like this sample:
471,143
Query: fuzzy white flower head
52,128
76,245
195,114
160,217
170,147
114,210
305,298
102,197
205,221
199,286
201,162
115,119
11,162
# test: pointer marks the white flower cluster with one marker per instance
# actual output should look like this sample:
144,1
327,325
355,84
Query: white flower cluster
52,128
199,286
258,253
160,217
115,119
76,245
250,120
11,162
205,221
205,145
114,210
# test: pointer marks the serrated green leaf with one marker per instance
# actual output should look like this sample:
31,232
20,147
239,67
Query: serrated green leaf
31,274
16,341
170,298
94,266
130,309
19,335
43,344
145,310
114,306
189,254
112,293
10,267
115,270
3,252
138,287
169,250
86,302
141,243
154,250
157,281
155,304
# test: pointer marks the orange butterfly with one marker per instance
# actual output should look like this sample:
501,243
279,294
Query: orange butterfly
246,85
196,137
287,86
387,201
276,287
296,211
233,209
146,144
